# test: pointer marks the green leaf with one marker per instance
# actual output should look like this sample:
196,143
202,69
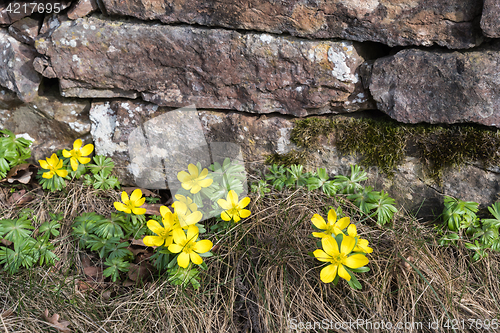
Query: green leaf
103,165
115,266
15,230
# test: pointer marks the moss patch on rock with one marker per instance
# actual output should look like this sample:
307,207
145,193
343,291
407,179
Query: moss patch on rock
290,158
385,143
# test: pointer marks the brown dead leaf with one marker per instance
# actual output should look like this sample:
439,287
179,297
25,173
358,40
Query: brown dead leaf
22,173
106,295
139,242
128,283
5,242
94,273
84,286
3,194
141,272
145,192
20,198
61,327
7,313
152,209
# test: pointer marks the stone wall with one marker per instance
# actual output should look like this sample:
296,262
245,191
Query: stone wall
104,69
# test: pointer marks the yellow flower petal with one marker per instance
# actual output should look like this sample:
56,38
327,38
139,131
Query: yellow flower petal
179,235
244,202
66,153
205,182
322,255
356,261
203,246
48,175
136,195
74,163
62,173
330,245
192,233
175,248
351,230
332,216
87,150
343,223
343,273
232,197
77,144
224,204
203,174
318,221
183,260
139,211
59,164
192,218
125,198
196,188
319,234
244,213
193,170
226,216
155,227
195,258
183,176
153,241
328,273
347,245
164,210
121,207
83,160
44,164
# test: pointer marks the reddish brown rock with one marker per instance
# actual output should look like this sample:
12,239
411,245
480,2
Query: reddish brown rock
25,30
490,21
450,23
210,68
439,87
82,8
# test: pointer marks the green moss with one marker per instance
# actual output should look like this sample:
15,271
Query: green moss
292,157
385,143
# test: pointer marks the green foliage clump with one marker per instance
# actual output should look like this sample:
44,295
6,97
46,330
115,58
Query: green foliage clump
13,151
462,223
26,248
373,203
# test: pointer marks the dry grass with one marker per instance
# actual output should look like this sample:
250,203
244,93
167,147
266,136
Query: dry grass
261,278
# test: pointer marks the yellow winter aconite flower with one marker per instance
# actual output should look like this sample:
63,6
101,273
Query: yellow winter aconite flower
54,165
194,180
164,233
332,227
131,205
183,216
188,247
362,245
234,208
338,258
77,154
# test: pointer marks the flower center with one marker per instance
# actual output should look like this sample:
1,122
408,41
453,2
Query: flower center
188,248
339,258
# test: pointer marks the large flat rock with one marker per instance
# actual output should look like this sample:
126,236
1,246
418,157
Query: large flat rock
450,23
415,86
210,68
490,20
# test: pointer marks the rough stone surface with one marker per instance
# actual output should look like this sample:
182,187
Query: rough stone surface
210,68
82,8
439,87
490,21
25,30
8,99
16,67
450,23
